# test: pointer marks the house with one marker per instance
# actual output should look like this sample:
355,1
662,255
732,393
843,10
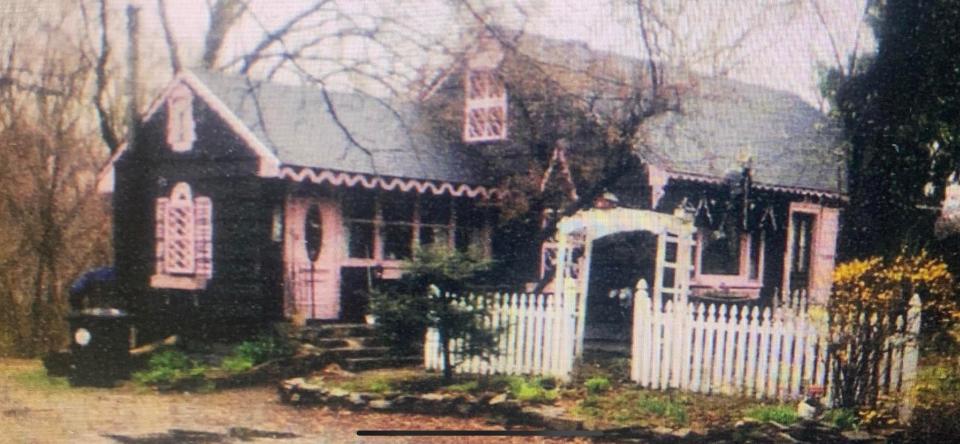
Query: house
253,200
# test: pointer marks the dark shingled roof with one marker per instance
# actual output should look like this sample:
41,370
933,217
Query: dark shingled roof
296,123
720,122
791,144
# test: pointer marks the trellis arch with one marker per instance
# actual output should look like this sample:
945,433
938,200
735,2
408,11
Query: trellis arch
674,234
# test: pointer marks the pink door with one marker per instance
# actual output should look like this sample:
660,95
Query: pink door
312,254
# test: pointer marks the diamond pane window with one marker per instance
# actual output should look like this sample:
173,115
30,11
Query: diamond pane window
184,234
485,111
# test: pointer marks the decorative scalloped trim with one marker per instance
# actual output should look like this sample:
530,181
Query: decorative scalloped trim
781,188
352,179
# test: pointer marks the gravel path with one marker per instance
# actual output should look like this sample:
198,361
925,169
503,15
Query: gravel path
34,411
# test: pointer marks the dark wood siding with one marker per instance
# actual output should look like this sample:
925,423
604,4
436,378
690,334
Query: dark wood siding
246,263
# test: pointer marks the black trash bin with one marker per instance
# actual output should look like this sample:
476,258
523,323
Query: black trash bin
100,346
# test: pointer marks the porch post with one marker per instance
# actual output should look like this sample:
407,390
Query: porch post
584,279
684,256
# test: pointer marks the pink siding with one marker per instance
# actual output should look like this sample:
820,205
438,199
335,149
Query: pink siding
824,251
825,228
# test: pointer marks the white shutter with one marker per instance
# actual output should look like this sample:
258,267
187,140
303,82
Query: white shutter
203,236
160,232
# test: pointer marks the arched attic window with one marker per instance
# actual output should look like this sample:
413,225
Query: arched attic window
184,235
180,124
485,106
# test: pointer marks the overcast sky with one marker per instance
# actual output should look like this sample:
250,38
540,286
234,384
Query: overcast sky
783,55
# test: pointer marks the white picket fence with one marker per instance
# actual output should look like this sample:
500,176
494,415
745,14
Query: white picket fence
536,336
774,353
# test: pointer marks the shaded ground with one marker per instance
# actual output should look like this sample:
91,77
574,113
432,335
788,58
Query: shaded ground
37,409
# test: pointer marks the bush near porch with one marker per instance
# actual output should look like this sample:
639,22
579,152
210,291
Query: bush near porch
180,369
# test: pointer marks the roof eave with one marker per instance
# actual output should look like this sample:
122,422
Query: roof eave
692,177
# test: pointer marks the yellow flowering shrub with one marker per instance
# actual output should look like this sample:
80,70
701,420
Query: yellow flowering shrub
879,289
876,285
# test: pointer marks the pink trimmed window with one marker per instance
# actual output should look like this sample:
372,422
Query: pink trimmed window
180,124
184,235
728,265
485,110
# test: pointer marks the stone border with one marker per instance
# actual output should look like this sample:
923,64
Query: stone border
299,392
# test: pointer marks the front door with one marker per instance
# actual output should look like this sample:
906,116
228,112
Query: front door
312,256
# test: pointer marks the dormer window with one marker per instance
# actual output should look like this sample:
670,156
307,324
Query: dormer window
180,124
485,111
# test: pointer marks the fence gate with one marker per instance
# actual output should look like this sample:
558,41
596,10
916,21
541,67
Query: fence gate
673,256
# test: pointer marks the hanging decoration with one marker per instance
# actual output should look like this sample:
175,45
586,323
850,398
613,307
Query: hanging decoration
768,219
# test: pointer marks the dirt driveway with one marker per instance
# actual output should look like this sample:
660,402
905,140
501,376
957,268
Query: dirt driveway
37,409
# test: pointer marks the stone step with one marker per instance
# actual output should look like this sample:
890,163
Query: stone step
370,363
328,343
359,352
373,341
310,333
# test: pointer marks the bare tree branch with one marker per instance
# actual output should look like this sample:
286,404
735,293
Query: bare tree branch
272,37
648,44
168,36
107,131
223,15
837,57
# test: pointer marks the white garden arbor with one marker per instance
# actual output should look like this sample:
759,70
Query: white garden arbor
673,264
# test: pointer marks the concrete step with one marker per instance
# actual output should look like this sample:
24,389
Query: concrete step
370,363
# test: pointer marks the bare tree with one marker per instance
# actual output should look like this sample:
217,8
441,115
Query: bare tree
224,14
52,222
172,46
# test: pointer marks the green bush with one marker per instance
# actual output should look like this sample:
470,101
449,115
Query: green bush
665,408
632,407
263,349
533,390
465,387
167,367
247,354
236,364
597,385
401,318
843,419
781,413
406,309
